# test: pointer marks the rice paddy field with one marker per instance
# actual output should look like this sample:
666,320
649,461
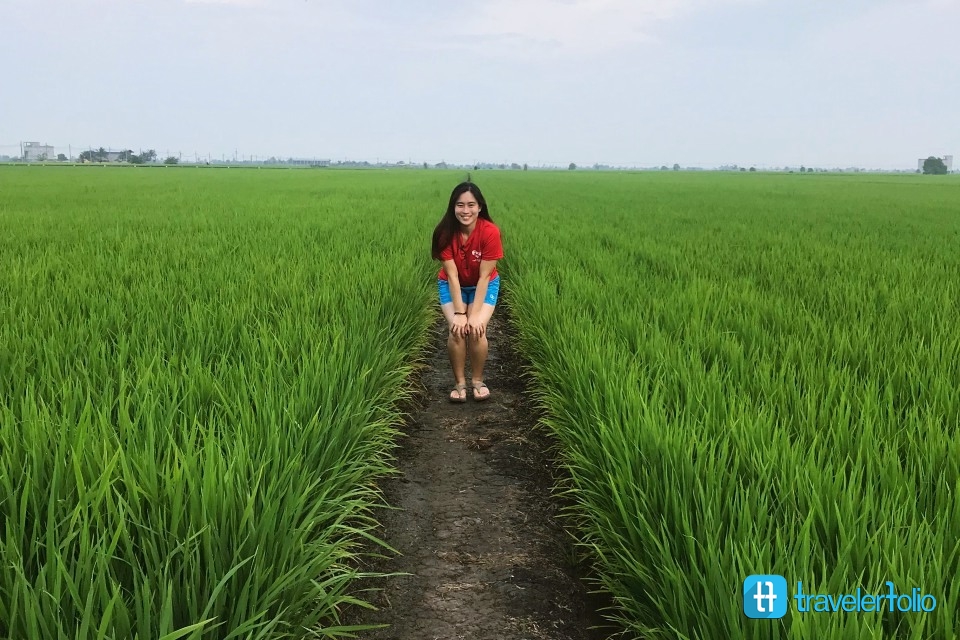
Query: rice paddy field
201,375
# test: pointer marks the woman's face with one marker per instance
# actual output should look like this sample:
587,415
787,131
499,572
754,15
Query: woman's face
467,208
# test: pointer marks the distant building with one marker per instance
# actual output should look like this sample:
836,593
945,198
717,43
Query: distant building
33,151
308,163
947,160
92,155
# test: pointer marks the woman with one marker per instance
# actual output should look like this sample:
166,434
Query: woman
468,244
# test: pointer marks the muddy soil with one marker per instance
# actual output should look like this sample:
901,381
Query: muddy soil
476,527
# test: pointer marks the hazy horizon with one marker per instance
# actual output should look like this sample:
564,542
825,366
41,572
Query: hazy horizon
543,82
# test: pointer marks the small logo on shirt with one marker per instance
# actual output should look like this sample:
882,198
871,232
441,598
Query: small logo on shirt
476,255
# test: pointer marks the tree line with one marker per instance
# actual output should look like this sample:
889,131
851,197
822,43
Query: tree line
934,166
102,155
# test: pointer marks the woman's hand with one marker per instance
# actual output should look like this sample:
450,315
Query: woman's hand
459,326
476,327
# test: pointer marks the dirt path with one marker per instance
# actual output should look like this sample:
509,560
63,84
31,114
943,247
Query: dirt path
476,524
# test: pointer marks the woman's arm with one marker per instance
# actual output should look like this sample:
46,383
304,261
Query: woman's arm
453,278
480,312
456,309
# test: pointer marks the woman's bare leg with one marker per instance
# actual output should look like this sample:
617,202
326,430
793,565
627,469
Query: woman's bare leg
456,348
478,349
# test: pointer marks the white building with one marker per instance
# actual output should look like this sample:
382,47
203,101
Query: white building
308,163
35,151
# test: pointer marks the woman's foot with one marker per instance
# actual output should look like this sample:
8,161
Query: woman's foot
480,391
459,393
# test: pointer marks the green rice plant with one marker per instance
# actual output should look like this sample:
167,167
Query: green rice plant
749,375
200,375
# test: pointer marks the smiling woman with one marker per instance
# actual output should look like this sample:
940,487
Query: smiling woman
467,242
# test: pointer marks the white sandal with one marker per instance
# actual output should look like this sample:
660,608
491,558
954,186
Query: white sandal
460,388
476,387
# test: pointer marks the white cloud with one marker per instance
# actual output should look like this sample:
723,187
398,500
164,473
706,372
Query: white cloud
571,26
238,3
902,31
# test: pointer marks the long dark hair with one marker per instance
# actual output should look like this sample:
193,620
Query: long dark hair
449,225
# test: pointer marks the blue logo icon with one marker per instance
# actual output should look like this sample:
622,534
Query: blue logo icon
764,596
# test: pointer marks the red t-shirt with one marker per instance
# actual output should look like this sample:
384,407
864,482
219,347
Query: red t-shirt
483,244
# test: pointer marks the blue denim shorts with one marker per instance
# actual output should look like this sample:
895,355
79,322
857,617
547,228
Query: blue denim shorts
468,293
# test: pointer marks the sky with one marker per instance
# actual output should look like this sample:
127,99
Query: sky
701,83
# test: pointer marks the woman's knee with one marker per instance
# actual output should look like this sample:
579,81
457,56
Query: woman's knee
473,340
